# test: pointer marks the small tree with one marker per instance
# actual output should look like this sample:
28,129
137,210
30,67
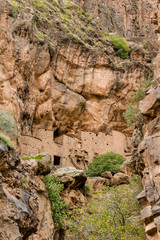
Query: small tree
132,115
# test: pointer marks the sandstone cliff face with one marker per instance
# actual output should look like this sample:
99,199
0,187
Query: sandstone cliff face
73,89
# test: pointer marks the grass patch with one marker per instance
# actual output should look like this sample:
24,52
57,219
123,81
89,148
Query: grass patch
113,214
6,141
37,157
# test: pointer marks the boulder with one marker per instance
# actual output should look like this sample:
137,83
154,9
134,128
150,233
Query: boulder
141,197
126,168
106,174
73,198
30,166
146,214
71,177
97,183
119,178
151,229
45,165
150,104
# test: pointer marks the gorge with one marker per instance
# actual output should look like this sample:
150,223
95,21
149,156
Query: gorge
68,70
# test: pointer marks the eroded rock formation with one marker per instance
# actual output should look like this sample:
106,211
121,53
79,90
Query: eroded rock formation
25,211
149,153
71,91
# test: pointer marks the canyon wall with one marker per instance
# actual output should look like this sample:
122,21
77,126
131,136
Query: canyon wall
72,88
69,100
149,152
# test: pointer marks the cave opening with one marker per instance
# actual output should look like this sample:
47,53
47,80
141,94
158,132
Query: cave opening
56,133
56,161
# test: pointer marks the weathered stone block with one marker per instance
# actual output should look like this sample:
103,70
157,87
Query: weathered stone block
151,228
146,214
141,197
119,178
155,210
107,174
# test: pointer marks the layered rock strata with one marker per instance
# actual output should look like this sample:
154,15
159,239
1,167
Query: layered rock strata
70,90
73,89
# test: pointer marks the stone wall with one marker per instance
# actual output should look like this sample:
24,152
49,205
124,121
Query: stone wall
78,151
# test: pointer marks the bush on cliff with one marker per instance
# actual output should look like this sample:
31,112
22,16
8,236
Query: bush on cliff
6,141
120,45
57,205
7,124
132,115
105,162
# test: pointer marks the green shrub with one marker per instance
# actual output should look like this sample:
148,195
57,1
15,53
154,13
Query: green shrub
138,95
6,141
120,45
39,4
57,205
147,82
132,114
37,157
7,124
113,213
15,7
105,162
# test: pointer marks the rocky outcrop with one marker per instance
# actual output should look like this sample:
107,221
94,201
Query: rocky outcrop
71,177
119,178
98,183
74,182
25,211
149,152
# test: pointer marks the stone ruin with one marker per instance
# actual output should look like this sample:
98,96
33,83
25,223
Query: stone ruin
74,151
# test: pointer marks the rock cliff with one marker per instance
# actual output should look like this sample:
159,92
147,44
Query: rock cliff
76,86
149,150
25,211
59,72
